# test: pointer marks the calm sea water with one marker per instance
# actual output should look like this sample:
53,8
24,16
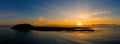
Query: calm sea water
100,36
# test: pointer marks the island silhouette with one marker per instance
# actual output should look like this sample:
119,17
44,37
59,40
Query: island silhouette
28,27
23,27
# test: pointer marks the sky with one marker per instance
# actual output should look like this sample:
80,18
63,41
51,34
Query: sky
59,12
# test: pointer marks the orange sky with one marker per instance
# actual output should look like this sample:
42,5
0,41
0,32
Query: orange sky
59,22
62,12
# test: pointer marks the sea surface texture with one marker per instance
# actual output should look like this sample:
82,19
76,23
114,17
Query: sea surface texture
106,35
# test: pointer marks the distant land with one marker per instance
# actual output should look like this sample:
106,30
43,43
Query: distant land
27,27
103,25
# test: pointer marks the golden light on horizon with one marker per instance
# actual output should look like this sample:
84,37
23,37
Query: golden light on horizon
79,23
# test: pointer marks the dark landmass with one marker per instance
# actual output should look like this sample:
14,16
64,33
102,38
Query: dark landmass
28,27
23,27
105,25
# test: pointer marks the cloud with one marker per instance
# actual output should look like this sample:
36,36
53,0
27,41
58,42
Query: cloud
61,11
84,15
77,13
41,19
54,7
101,11
100,19
8,14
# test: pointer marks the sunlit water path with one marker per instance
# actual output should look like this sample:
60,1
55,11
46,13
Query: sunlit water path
100,36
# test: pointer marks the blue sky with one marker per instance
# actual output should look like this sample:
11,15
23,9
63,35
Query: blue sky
59,10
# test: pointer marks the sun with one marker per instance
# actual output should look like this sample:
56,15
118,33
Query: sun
79,24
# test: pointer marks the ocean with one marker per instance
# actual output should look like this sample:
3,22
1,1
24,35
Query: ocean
105,35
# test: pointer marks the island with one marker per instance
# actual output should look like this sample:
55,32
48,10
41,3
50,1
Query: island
28,27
